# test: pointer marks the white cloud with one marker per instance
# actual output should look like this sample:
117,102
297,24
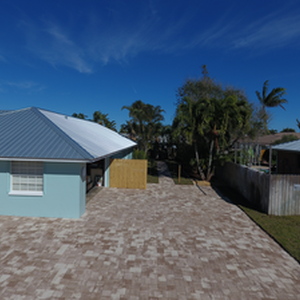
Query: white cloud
106,37
61,50
51,44
114,33
269,32
120,36
27,85
151,30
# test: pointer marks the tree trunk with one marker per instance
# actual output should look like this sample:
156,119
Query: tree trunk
198,164
209,171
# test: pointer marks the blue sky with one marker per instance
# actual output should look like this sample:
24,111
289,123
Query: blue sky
81,56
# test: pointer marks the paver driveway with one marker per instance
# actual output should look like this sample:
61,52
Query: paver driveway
166,242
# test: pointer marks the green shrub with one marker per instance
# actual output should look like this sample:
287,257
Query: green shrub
139,154
286,139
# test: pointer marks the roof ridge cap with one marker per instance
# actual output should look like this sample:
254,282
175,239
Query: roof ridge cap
79,149
12,111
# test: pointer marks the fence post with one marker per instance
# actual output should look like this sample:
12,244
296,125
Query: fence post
179,173
235,154
270,160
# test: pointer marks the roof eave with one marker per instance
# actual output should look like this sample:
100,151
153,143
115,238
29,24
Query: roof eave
63,160
44,159
286,150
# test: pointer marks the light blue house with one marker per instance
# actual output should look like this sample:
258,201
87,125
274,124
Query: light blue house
47,160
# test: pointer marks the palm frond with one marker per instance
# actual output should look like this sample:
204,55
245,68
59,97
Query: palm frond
265,89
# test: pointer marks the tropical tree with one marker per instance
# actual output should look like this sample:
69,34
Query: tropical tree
288,130
298,123
285,139
187,126
145,123
98,117
210,118
103,120
273,131
79,116
267,100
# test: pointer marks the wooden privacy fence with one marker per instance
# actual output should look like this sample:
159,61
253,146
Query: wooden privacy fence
274,194
284,195
250,183
128,173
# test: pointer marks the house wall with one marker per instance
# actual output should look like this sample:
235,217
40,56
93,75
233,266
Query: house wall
288,162
63,196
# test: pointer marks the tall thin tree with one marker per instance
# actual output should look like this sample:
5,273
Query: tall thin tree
272,99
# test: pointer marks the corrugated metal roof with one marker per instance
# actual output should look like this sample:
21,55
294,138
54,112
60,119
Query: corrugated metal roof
290,146
3,111
40,134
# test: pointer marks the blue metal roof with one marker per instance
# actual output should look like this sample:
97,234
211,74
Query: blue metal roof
290,146
34,133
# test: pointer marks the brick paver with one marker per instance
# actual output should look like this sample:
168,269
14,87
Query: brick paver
165,242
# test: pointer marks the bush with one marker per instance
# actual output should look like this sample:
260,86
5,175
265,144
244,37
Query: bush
139,154
286,139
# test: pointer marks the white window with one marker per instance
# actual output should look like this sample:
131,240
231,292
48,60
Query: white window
27,178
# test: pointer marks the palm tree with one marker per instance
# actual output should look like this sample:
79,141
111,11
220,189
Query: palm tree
210,118
188,125
102,119
145,123
79,116
272,99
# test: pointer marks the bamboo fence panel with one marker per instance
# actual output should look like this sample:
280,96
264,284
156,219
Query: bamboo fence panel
128,173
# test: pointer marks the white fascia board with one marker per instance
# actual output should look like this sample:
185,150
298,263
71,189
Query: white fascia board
110,154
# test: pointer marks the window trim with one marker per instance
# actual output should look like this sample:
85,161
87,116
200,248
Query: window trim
25,192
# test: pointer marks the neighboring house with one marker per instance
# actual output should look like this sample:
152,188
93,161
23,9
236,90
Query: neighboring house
269,139
255,151
288,157
276,193
48,159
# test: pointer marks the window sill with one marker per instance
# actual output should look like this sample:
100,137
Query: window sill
26,193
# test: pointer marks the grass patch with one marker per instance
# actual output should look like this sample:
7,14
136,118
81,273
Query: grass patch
152,176
283,229
173,168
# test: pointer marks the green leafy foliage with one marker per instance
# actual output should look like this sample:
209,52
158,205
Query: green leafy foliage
288,130
272,99
98,117
139,154
286,139
103,120
79,116
209,118
178,174
152,176
145,124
